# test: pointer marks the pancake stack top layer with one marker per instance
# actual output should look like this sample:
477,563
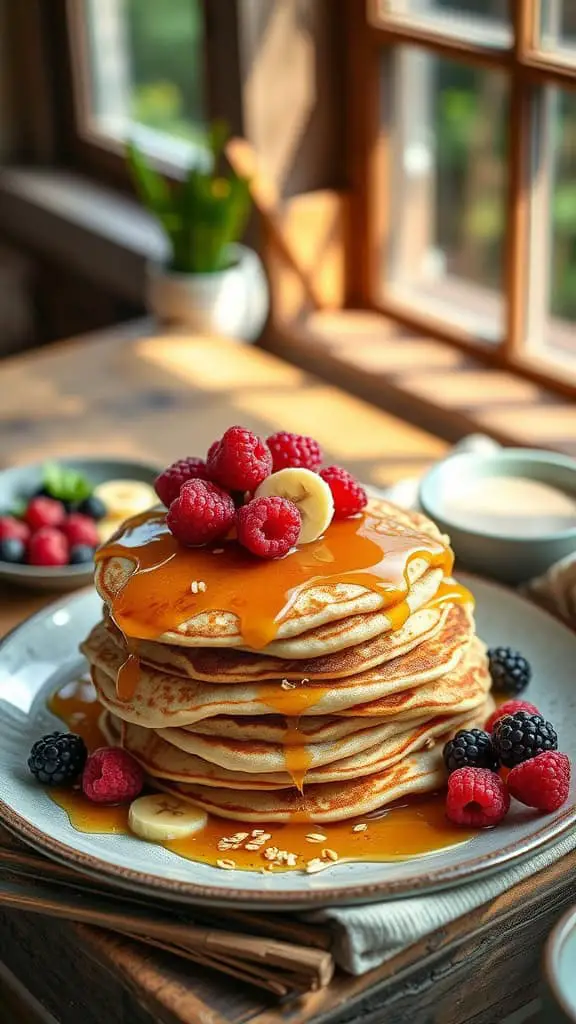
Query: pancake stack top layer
321,684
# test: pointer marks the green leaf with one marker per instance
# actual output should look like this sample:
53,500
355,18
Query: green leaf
218,134
152,188
18,509
65,484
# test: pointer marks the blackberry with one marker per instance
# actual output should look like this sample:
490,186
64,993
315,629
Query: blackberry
57,758
470,748
521,736
510,671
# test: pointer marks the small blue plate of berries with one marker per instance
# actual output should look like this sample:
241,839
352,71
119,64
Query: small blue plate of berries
53,516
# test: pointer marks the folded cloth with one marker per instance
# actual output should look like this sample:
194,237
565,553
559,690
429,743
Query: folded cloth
365,936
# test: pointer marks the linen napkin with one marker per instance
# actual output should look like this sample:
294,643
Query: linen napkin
365,936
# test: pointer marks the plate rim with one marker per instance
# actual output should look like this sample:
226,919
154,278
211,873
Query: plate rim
360,892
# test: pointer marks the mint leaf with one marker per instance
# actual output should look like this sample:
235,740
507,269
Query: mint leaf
65,484
52,478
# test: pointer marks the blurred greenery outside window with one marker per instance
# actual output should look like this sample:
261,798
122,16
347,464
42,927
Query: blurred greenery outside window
147,73
162,77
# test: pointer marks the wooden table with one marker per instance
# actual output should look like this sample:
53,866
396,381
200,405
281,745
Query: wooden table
157,398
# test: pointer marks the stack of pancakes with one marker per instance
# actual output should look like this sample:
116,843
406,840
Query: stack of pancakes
344,711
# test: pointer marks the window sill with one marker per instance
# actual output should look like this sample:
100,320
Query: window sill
105,236
428,382
109,238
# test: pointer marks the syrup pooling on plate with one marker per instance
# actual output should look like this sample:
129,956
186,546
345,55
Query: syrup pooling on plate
410,828
157,598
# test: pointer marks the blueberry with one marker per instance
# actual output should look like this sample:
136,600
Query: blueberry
41,492
12,550
80,554
93,507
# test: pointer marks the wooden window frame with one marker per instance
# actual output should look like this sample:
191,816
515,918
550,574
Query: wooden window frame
65,53
527,67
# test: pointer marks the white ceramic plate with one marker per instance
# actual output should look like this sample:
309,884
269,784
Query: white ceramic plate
42,654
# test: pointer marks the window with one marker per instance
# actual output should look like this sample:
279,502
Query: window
465,173
138,73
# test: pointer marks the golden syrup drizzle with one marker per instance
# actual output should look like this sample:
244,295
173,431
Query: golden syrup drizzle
157,598
410,828
292,701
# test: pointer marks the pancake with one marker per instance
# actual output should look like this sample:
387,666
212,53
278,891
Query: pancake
161,700
359,754
221,665
422,772
267,769
415,553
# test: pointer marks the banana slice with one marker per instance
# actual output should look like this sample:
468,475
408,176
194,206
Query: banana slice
309,492
124,498
106,527
161,817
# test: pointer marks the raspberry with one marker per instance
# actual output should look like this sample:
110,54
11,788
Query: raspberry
80,530
168,484
14,529
543,782
470,749
212,451
44,512
521,736
112,776
269,527
509,708
241,460
202,512
349,497
476,797
510,671
48,547
294,450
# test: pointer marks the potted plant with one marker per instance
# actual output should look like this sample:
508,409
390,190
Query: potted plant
211,283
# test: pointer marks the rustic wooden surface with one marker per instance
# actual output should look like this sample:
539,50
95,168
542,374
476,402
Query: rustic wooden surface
156,398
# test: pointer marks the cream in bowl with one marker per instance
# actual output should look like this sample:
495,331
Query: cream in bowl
510,513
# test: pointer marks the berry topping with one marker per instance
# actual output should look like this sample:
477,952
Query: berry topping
14,529
510,671
93,507
269,527
79,529
509,708
57,758
294,450
12,550
470,749
44,512
240,461
476,797
520,736
168,484
48,547
112,776
543,782
80,554
202,512
349,497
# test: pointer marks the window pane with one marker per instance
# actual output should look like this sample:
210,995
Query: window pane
486,21
146,71
448,125
552,298
558,25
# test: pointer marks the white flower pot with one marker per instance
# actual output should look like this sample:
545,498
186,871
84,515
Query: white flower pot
232,302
